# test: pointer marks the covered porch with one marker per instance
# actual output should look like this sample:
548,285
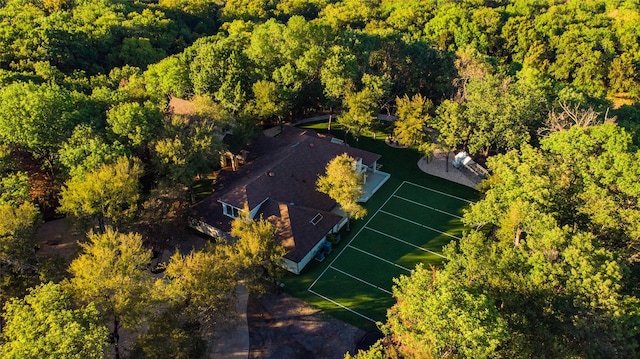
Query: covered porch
373,180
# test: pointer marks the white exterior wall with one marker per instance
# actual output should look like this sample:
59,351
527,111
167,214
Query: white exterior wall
206,228
312,253
297,267
288,264
291,266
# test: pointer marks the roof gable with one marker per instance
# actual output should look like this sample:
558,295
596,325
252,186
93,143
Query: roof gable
295,226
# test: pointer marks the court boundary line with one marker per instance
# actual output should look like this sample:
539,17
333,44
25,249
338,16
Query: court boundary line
361,280
340,305
420,224
426,206
310,290
380,258
354,237
436,191
407,243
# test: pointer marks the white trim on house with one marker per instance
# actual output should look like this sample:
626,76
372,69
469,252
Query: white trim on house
230,211
255,211
206,228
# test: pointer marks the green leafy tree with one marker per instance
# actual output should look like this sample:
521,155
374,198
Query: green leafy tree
113,273
134,123
190,147
169,77
18,264
36,117
14,188
109,193
249,10
204,282
18,225
139,51
338,75
412,118
453,128
362,107
219,68
86,151
46,325
436,317
344,184
270,100
257,251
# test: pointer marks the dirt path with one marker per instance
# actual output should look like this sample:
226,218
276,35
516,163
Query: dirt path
58,237
283,327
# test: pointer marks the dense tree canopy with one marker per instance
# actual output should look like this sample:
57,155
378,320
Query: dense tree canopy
547,272
113,273
109,193
45,325
84,85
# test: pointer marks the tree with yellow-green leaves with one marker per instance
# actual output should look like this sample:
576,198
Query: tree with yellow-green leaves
203,282
113,273
44,324
412,117
344,185
109,193
257,251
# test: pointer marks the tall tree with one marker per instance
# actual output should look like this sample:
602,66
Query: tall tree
436,317
86,151
412,118
18,224
36,117
46,325
362,107
344,184
14,188
113,272
257,250
338,75
18,263
453,128
188,148
169,77
204,283
109,193
134,123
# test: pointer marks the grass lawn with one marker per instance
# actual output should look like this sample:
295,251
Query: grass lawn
409,220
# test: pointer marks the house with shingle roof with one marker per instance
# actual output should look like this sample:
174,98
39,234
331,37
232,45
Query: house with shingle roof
278,182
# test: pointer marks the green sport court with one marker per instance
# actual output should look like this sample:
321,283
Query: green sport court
410,227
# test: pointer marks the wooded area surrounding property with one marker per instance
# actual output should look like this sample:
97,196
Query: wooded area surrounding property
546,91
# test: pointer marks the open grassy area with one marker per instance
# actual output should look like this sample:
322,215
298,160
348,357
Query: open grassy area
410,218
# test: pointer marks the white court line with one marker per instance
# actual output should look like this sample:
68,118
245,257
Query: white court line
354,237
424,205
436,191
419,224
405,242
380,258
361,280
340,305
